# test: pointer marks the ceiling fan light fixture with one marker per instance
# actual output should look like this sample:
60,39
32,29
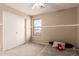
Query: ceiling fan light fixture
39,5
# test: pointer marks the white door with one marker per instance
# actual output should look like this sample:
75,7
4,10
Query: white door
20,30
13,30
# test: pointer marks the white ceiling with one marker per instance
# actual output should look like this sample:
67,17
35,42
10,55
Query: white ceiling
51,7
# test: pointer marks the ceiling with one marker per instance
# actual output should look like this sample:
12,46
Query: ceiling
51,7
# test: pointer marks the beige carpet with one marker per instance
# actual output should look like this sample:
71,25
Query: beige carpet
29,49
33,49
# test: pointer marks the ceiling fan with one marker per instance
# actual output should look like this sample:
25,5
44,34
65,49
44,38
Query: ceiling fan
39,6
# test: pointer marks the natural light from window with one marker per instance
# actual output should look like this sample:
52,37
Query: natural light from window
37,26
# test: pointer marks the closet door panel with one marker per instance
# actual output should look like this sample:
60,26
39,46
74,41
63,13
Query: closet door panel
13,30
20,30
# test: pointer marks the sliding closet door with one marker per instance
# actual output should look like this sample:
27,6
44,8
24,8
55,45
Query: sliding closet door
13,30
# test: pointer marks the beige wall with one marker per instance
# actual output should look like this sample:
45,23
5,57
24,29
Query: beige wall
77,27
62,17
1,29
12,10
28,29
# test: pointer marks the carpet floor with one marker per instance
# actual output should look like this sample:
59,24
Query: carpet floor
33,49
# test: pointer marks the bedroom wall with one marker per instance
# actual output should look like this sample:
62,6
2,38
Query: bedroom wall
77,27
28,29
62,17
1,29
12,10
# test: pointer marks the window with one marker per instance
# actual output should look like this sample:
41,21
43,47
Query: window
37,26
37,23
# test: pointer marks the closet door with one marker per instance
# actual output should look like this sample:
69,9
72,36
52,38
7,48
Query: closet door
20,30
13,30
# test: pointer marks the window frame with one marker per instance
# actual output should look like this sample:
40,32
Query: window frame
39,31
